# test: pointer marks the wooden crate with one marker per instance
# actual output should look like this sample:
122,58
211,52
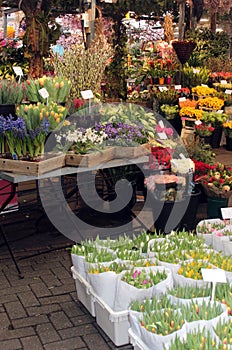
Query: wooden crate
131,152
91,159
32,168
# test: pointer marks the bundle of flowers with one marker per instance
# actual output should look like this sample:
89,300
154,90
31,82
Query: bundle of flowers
24,139
80,140
227,127
33,114
224,332
168,97
223,294
214,118
188,103
182,166
218,182
192,269
214,103
148,305
143,279
144,95
204,129
210,226
190,112
203,91
160,157
11,92
57,87
189,292
170,112
123,134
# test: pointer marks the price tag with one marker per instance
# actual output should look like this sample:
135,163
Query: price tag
214,275
18,71
223,82
182,99
228,92
226,213
87,94
198,122
163,88
162,135
204,85
177,87
161,123
220,111
196,71
43,93
182,156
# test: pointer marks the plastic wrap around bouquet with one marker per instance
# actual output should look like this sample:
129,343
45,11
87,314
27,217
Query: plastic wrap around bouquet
141,283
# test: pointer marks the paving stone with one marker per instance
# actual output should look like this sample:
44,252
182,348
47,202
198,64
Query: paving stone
30,321
67,288
68,344
30,343
51,281
61,272
55,299
47,333
82,319
7,298
28,299
4,320
60,320
16,333
40,289
15,310
92,339
13,344
15,290
71,309
43,310
77,331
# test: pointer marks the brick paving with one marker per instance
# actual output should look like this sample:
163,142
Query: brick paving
41,311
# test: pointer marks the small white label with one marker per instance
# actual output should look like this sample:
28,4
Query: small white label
182,99
87,94
220,111
177,87
162,135
182,156
161,123
163,88
196,71
214,275
227,91
43,93
204,85
198,122
226,213
223,82
18,71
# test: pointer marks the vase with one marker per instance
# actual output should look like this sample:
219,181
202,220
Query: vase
206,139
214,207
161,81
229,143
168,80
216,137
7,109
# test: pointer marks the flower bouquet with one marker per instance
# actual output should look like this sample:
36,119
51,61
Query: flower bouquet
182,295
204,130
170,112
11,92
210,103
190,274
58,89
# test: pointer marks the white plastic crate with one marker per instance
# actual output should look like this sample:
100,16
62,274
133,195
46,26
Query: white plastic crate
114,323
136,341
84,292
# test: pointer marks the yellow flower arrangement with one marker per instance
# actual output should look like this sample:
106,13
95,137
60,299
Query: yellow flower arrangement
203,91
193,268
191,112
227,126
211,102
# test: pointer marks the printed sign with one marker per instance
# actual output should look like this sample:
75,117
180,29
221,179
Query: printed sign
18,71
43,93
87,94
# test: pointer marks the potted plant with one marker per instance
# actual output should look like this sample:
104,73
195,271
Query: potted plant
204,131
216,120
11,94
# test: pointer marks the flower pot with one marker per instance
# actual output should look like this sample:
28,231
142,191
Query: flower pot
214,207
216,137
161,81
188,220
168,80
229,143
206,139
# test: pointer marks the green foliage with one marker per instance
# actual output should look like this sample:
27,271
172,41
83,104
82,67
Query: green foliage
191,78
209,44
197,149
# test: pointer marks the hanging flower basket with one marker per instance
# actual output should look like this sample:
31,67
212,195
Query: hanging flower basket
183,49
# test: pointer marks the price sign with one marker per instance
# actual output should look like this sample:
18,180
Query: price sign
214,276
182,99
204,85
87,94
43,93
198,122
163,88
223,82
196,71
162,135
18,71
226,213
177,87
182,156
220,111
228,91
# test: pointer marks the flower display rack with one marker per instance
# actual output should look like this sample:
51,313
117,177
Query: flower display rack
90,159
52,162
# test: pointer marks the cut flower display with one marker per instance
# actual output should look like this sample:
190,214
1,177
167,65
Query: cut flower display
143,279
204,130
